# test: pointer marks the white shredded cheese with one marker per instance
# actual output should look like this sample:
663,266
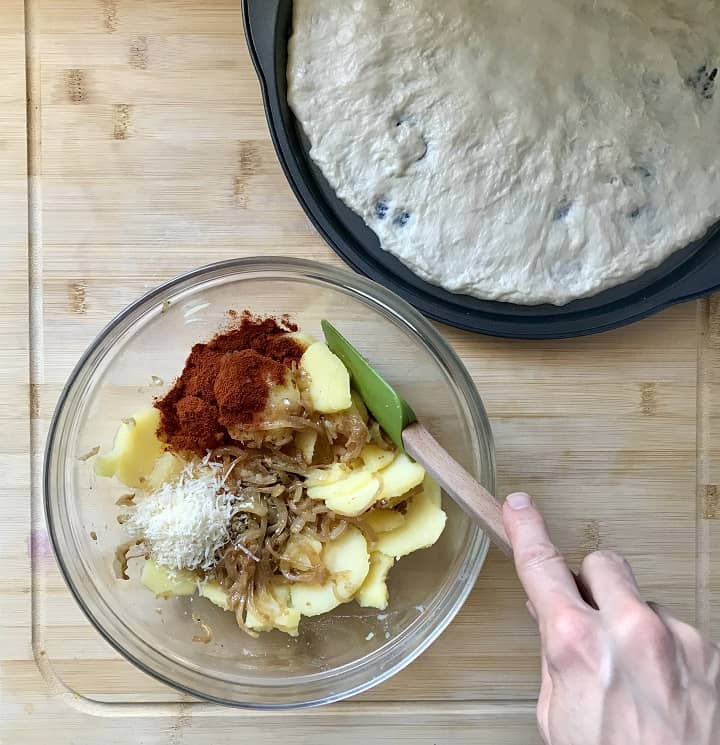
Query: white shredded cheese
185,522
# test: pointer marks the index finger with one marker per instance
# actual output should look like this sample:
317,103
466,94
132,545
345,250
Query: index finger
548,582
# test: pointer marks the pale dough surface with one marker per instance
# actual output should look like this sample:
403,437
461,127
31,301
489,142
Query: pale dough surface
520,151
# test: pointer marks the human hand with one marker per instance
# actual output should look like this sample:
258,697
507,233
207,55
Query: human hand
623,673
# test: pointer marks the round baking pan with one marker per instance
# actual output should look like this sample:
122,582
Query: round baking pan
689,273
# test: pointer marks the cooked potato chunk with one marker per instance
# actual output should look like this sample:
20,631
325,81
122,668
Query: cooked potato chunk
431,488
167,468
314,600
374,592
329,379
135,451
302,551
400,477
257,622
348,563
347,560
166,582
382,521
215,594
350,496
424,523
273,611
323,476
375,458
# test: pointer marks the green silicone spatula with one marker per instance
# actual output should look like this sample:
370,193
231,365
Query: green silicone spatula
398,420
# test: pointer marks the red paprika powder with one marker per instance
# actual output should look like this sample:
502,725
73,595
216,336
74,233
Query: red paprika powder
226,382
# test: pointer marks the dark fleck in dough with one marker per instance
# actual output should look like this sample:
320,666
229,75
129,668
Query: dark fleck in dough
425,149
401,219
703,81
562,210
381,209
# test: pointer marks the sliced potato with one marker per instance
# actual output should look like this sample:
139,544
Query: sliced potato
347,560
288,621
351,481
214,592
314,600
374,592
166,582
135,450
431,489
329,387
350,496
281,590
272,610
257,622
167,468
305,441
286,618
322,476
400,477
424,523
375,458
382,521
302,551
356,502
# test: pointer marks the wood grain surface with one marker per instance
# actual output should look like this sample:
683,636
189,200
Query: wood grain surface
147,154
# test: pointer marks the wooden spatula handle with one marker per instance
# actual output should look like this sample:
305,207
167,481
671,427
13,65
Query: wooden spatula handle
458,483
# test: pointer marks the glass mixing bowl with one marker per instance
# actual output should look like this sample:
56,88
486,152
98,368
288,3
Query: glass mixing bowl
337,655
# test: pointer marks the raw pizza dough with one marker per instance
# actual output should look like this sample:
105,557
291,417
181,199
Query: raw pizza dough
520,151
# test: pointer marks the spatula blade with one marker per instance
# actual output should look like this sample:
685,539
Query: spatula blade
391,411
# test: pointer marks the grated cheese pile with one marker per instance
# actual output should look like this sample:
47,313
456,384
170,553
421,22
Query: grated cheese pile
186,522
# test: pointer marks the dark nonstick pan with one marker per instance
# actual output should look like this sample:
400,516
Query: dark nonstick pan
687,274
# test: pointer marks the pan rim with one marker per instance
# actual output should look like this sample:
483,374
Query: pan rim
686,274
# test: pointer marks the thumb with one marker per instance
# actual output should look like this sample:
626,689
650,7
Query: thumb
548,582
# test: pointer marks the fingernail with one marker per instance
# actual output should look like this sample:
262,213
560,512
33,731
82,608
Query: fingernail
519,501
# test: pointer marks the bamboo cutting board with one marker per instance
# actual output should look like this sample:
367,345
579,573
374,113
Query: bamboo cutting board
148,154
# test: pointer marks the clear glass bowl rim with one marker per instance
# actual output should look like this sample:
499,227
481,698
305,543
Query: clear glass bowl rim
352,678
